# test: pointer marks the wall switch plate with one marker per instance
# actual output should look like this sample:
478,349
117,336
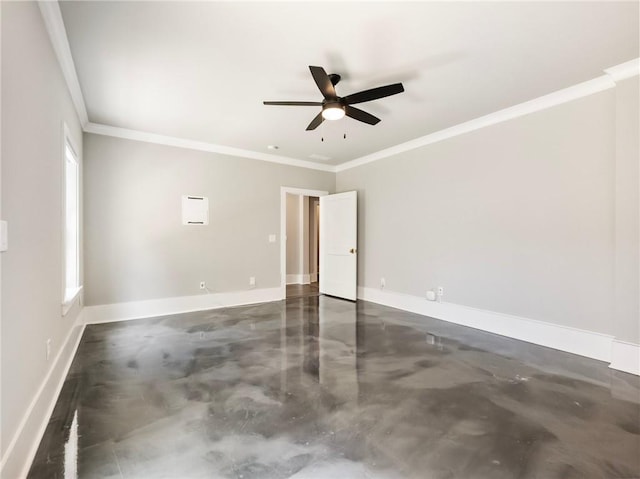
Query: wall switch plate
4,236
272,238
252,281
203,285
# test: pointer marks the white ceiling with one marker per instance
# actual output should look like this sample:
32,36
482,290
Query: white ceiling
200,70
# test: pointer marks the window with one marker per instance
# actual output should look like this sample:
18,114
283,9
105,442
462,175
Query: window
71,226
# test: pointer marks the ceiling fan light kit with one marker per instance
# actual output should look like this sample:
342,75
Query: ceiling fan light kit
335,107
332,111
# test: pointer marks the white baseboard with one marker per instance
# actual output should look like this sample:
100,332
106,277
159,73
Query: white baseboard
24,444
183,304
577,341
625,357
299,278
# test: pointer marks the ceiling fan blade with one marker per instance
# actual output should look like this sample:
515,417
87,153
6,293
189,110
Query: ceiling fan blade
324,82
315,122
374,93
293,103
360,115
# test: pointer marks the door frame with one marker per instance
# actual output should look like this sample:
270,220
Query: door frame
283,229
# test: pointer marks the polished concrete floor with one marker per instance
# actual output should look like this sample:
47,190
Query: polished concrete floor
319,388
302,290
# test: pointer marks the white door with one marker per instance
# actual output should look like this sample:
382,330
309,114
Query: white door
338,243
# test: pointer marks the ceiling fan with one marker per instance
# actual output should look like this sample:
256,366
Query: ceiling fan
335,107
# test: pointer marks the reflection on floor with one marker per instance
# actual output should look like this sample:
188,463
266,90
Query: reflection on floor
321,388
302,290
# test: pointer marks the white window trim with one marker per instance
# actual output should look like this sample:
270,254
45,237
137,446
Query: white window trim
71,296
70,300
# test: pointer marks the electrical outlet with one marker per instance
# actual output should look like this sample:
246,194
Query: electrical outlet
440,291
203,285
48,354
383,283
252,281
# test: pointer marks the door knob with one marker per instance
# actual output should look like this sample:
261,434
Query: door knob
353,251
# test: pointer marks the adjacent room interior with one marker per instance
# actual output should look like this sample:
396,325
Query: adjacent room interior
302,241
387,240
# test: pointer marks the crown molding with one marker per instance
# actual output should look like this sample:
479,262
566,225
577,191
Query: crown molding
624,70
125,133
55,27
541,103
612,75
50,11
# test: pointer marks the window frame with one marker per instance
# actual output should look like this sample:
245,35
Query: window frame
71,294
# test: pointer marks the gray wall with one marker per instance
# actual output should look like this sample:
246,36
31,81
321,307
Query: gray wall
35,103
136,247
516,218
627,212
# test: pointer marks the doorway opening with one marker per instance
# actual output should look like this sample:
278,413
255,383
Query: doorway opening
300,242
303,240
